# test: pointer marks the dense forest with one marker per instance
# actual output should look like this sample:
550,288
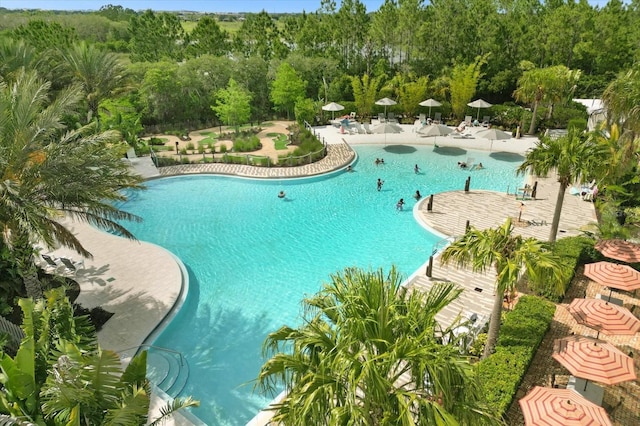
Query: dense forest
171,67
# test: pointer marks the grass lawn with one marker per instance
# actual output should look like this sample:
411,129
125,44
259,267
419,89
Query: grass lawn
280,141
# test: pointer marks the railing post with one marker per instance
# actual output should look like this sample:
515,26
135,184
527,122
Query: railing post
429,271
467,226
430,203
467,183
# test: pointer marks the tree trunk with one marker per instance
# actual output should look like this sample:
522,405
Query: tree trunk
532,126
494,324
33,285
556,212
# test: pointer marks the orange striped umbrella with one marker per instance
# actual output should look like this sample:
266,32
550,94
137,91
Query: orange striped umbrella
593,359
604,317
619,250
622,277
561,407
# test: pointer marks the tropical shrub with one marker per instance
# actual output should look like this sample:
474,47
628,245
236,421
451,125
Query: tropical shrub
522,331
246,144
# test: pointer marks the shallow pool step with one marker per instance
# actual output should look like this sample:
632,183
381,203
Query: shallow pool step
167,370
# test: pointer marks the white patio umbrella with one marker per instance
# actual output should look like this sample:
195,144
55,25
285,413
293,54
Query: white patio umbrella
493,135
435,130
430,103
386,128
479,103
386,102
332,107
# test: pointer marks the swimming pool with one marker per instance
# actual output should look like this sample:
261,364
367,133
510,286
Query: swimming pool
252,256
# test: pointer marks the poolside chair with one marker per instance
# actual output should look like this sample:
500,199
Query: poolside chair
359,128
71,267
485,121
437,117
367,129
352,115
50,262
131,155
392,118
381,117
422,118
467,120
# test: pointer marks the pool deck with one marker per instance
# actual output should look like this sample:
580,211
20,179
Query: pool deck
141,283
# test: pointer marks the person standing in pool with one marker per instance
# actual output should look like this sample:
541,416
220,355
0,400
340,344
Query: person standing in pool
416,169
380,183
417,195
400,204
281,194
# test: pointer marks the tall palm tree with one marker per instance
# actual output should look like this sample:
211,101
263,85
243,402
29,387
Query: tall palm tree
572,159
510,255
46,174
361,333
99,74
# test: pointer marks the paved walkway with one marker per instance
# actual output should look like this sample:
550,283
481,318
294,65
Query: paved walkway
123,273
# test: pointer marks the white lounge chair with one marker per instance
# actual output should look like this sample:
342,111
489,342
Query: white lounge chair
467,120
437,117
367,129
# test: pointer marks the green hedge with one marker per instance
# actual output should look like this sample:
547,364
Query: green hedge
521,332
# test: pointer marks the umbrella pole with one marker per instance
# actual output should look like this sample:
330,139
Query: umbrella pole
586,382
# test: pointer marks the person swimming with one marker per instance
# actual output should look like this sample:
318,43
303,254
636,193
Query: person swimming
462,164
349,169
417,195
416,169
380,183
281,194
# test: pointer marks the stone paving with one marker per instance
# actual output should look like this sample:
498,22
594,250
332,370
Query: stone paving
338,156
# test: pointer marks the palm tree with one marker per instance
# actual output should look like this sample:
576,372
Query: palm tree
510,255
99,74
572,158
47,174
361,333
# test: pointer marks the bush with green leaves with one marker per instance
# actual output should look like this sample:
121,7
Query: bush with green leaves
521,332
61,376
573,251
246,144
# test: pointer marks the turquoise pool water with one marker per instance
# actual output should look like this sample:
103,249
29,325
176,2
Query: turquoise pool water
252,256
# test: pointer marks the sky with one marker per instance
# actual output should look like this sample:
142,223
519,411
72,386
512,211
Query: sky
271,6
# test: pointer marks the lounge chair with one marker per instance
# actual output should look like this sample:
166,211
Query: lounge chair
352,115
131,155
381,117
392,118
467,120
367,129
71,267
359,128
422,118
437,117
51,263
485,121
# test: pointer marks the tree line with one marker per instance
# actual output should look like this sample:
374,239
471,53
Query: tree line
176,74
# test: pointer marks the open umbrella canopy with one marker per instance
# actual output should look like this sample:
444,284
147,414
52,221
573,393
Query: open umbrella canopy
622,277
385,102
435,130
593,359
603,316
430,103
622,250
386,128
493,134
479,103
332,107
550,406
